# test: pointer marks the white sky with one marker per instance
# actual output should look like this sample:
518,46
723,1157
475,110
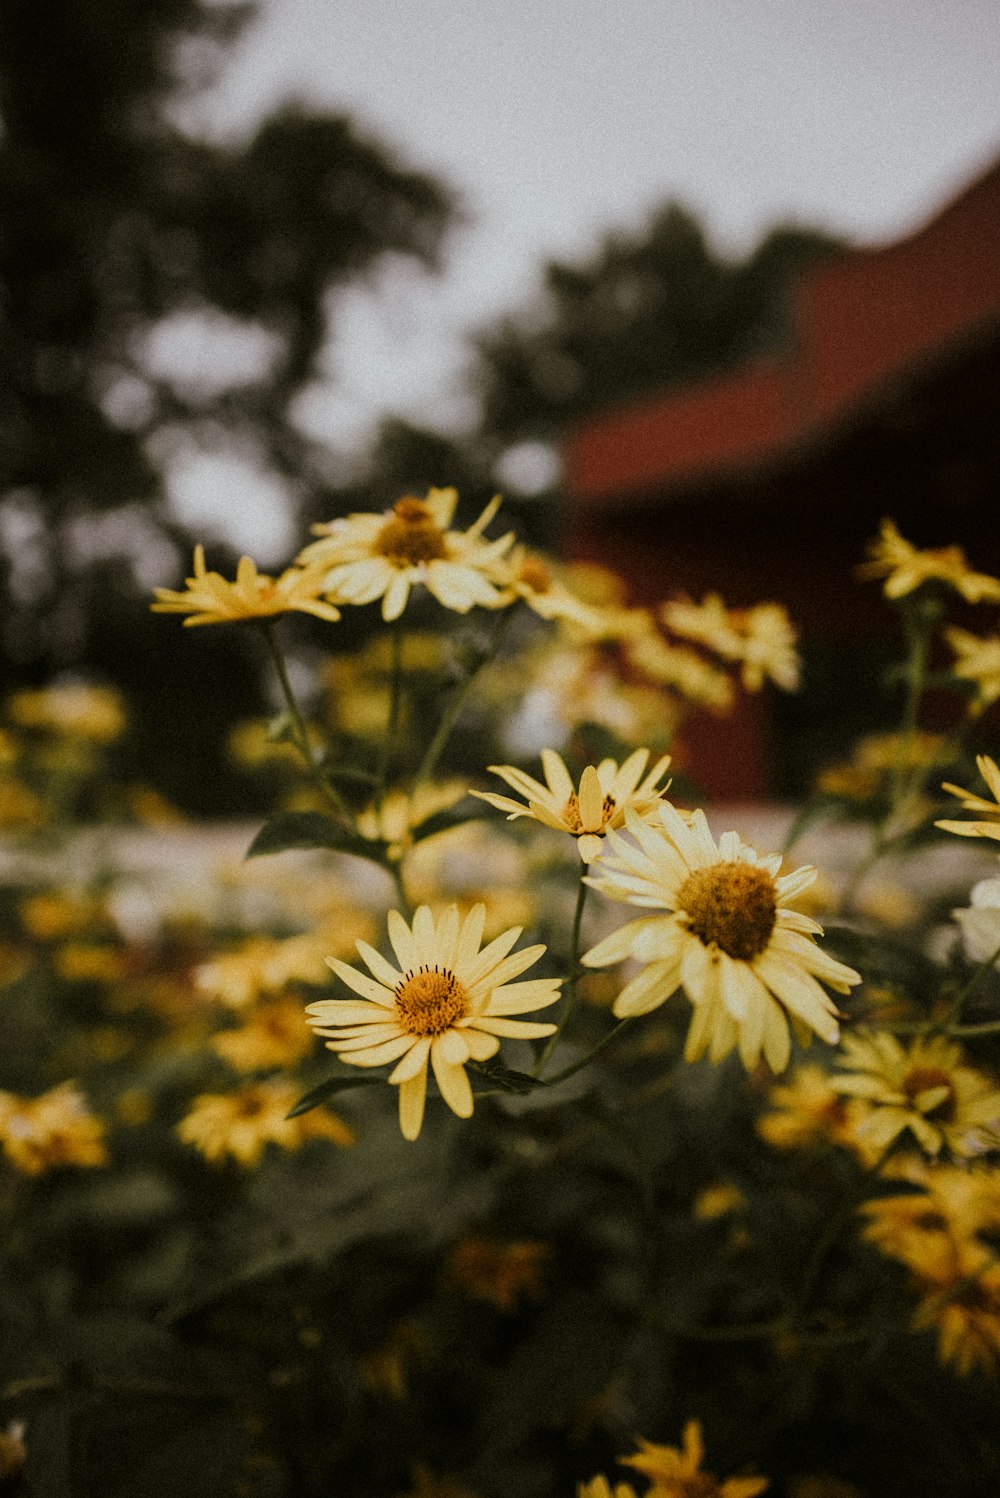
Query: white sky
558,119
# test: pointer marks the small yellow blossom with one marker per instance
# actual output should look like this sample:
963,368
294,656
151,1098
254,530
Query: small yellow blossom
401,813
954,1205
241,1124
721,1199
600,804
875,761
503,1274
265,965
990,772
446,1003
273,1035
52,915
807,1110
677,1472
925,1088
368,556
21,810
85,962
74,709
600,1487
535,579
49,1131
208,598
977,659
962,1302
682,670
906,568
761,639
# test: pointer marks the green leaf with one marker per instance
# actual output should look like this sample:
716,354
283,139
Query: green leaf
340,1083
310,829
496,1075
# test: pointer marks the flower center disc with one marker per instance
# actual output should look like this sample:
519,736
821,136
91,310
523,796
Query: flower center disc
571,813
535,575
427,1003
410,536
928,1078
732,905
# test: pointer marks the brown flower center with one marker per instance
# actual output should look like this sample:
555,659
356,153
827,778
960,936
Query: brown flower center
571,813
250,1106
535,575
732,905
926,1079
410,536
428,1002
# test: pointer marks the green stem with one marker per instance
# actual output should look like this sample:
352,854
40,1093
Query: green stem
829,1236
574,976
300,732
455,705
569,1071
906,783
392,724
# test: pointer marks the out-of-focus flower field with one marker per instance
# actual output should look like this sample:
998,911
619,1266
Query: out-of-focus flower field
495,1121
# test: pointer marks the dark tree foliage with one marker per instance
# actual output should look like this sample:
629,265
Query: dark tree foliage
648,311
114,217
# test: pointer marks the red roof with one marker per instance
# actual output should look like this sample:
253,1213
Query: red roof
862,322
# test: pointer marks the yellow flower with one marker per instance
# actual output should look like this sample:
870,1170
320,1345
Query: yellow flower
677,1473
920,1229
242,1123
209,598
401,813
761,639
925,1088
963,1303
502,1274
599,1487
274,1035
682,670
527,575
876,759
20,809
87,962
58,1128
906,568
721,1199
51,915
368,556
977,658
264,965
446,1003
745,960
807,1110
606,793
990,772
74,709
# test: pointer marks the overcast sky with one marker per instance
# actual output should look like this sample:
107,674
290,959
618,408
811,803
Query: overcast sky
558,119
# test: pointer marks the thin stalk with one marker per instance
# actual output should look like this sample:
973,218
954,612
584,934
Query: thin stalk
455,705
300,732
829,1236
574,976
569,1071
958,1002
392,723
920,625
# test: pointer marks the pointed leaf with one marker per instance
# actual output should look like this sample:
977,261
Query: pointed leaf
339,1083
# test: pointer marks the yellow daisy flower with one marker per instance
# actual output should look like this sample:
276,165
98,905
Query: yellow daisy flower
681,670
446,1003
677,1473
527,575
606,793
210,599
600,1487
920,1229
369,556
977,658
925,1088
57,1128
745,960
761,639
76,709
963,1304
273,1035
502,1274
990,772
241,1124
906,568
808,1110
